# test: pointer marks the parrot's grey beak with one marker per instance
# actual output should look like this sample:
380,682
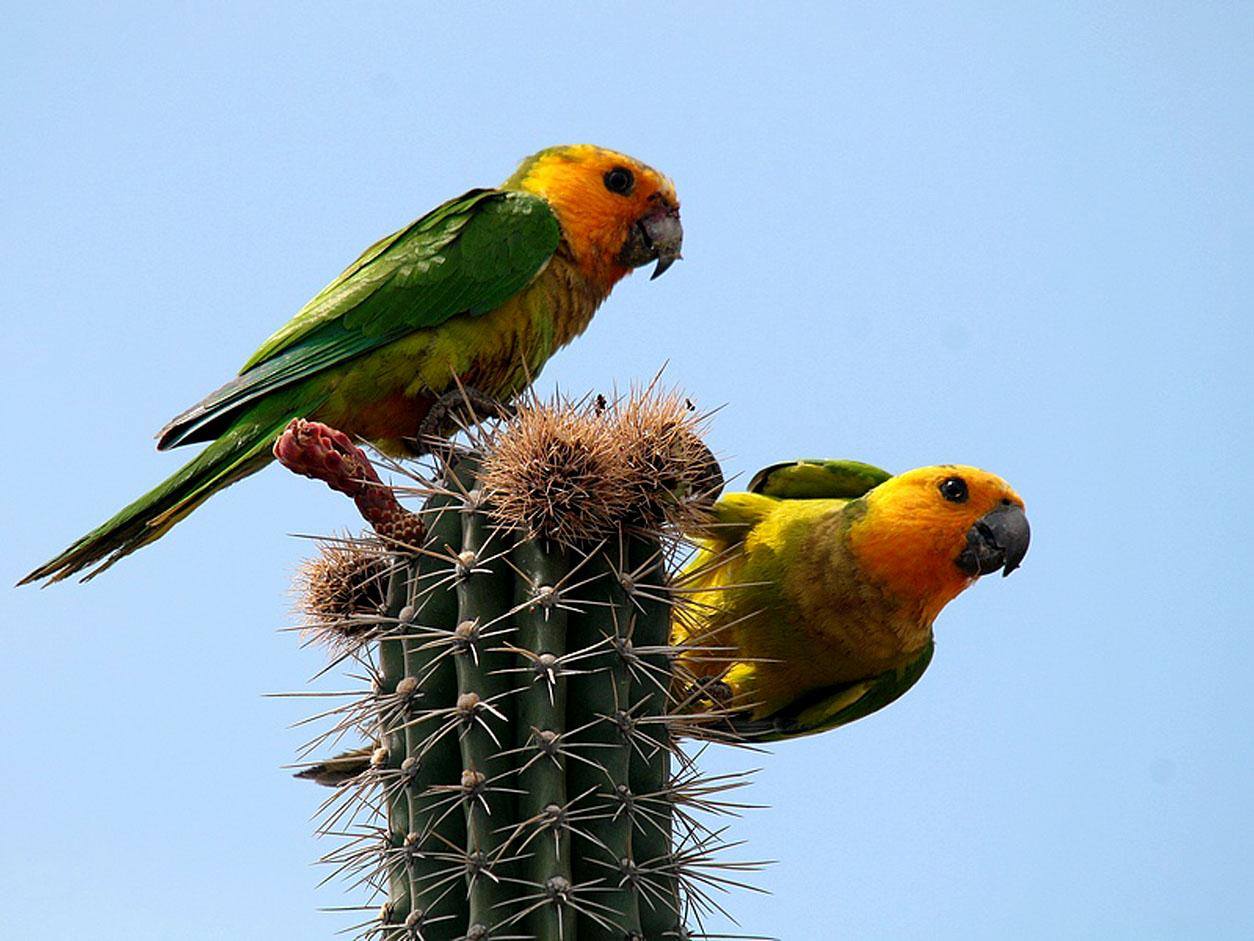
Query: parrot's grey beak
998,540
658,236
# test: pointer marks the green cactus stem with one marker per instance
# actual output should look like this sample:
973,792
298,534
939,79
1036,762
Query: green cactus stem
645,583
523,743
602,779
485,709
542,837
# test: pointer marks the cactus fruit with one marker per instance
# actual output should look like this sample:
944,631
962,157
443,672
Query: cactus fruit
522,778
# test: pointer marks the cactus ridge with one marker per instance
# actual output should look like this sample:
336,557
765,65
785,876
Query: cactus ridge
524,778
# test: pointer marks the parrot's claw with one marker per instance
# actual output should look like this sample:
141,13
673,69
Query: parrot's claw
454,411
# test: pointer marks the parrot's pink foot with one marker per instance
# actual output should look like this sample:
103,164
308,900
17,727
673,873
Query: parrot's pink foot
318,451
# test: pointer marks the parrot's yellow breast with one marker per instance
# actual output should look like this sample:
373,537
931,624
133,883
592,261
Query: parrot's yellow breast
803,617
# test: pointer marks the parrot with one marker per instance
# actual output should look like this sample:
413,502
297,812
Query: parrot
475,295
814,592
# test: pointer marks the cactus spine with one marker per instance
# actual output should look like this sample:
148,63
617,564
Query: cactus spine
522,690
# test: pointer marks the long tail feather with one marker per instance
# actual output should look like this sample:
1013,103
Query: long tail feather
244,449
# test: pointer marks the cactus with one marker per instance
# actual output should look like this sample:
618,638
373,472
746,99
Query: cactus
523,778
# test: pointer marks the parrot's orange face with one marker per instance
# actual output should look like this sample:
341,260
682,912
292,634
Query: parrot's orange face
616,213
929,533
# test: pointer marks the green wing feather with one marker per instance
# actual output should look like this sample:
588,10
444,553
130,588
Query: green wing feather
835,706
242,449
468,256
735,514
810,479
338,770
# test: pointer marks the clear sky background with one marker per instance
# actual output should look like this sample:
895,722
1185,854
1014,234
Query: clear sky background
1017,239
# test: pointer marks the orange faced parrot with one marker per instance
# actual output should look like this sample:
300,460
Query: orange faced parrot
815,592
481,290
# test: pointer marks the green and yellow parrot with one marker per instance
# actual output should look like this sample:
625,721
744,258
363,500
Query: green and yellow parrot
815,591
481,290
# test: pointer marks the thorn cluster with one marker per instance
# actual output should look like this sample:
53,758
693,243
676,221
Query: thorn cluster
347,579
669,473
555,472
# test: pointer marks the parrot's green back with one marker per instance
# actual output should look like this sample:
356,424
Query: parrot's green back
817,479
467,257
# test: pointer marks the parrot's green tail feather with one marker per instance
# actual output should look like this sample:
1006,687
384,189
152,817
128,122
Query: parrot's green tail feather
244,449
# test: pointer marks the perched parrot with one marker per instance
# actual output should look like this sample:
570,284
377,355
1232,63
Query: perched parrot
484,288
816,590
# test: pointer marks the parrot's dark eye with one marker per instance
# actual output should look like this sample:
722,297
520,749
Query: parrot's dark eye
954,489
619,180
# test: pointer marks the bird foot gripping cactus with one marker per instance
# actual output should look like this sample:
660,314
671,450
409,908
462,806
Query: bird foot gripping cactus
522,778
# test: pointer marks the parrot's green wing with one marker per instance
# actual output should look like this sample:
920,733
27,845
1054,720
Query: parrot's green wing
468,256
817,479
835,706
807,479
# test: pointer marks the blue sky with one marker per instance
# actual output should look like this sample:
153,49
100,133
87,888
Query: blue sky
1017,239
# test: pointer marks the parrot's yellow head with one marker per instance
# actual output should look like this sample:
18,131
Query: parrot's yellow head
616,213
927,534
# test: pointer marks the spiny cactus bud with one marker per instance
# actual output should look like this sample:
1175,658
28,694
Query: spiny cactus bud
669,472
347,579
555,472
